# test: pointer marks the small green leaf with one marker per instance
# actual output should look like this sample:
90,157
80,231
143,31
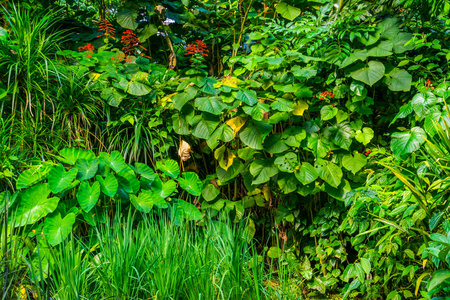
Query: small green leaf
331,173
86,168
364,136
306,174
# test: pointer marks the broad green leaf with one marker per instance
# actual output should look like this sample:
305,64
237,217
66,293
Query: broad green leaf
249,97
254,134
282,105
293,136
127,18
86,168
115,160
180,99
354,163
189,211
407,142
319,146
399,80
32,176
304,72
224,156
287,11
274,144
383,49
87,195
33,205
262,170
400,40
287,183
108,185
3,34
389,28
257,111
328,112
224,133
231,173
287,163
128,182
145,171
434,221
353,57
137,88
210,192
438,277
330,173
212,105
364,136
57,229
405,111
370,74
204,125
144,201
166,189
274,252
341,134
306,174
422,103
59,179
70,155
169,167
191,183
146,32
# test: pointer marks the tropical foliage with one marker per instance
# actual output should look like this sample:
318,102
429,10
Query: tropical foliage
301,145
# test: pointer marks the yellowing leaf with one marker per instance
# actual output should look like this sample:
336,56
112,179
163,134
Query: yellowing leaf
299,108
230,81
94,76
225,157
266,192
236,123
166,99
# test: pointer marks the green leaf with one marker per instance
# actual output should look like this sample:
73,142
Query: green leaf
383,49
109,185
191,183
354,163
274,144
210,192
328,112
32,176
405,111
287,163
422,103
204,125
33,205
127,19
365,264
145,171
115,160
341,134
167,189
212,105
128,182
3,34
407,142
293,136
57,229
136,88
370,74
87,196
306,174
231,173
189,211
399,80
262,170
224,133
86,168
434,221
274,252
247,96
254,134
169,167
389,28
180,99
438,278
364,136
399,42
146,32
330,173
59,179
145,200
70,155
287,11
318,146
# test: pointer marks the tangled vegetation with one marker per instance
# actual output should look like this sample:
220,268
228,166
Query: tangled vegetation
200,149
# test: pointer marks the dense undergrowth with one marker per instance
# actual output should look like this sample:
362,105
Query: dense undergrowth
224,149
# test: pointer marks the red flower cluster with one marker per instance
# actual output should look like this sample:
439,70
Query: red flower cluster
367,152
428,84
130,43
325,94
198,47
108,29
88,48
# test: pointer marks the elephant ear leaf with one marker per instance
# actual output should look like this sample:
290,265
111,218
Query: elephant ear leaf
183,209
34,204
87,168
191,183
168,167
59,179
70,155
108,185
88,195
32,176
57,229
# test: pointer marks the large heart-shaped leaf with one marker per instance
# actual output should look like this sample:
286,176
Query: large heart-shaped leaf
354,163
108,185
364,136
254,134
249,97
287,11
224,133
399,80
306,174
319,146
115,160
144,201
179,100
33,204
169,167
70,155
204,125
422,103
210,192
230,173
212,105
57,229
127,18
191,183
87,195
32,176
87,168
59,179
370,74
145,171
330,173
128,182
407,142
190,212
262,170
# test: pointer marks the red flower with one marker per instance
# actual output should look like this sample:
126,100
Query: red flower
108,29
199,47
428,83
367,152
131,44
88,48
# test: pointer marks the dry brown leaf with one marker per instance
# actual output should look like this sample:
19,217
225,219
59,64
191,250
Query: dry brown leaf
184,151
